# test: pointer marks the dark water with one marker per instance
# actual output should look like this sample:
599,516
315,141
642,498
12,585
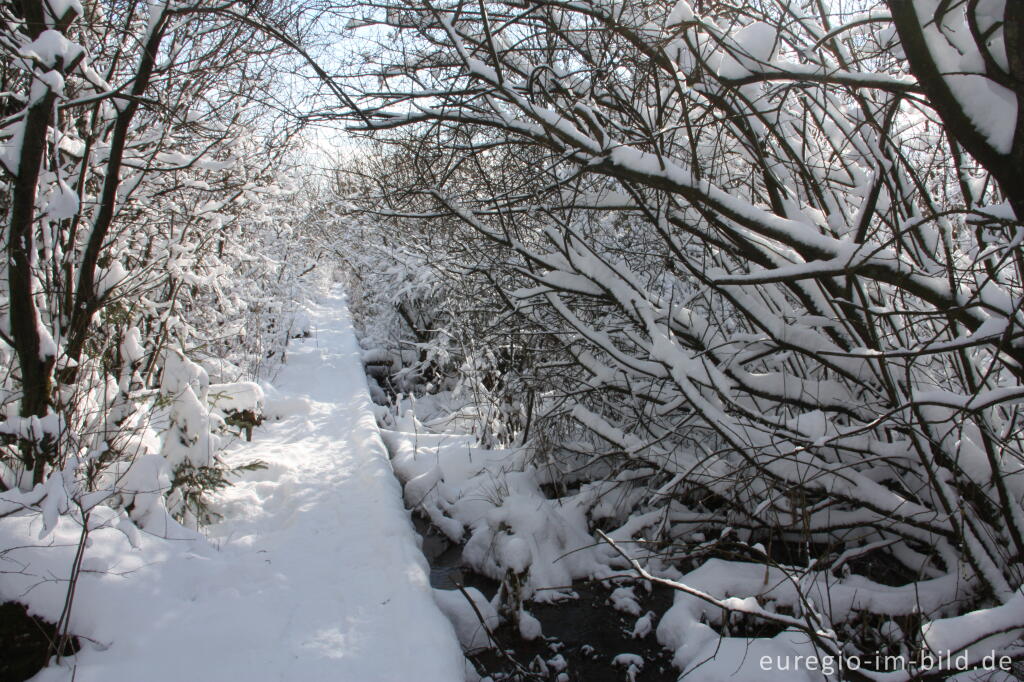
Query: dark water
586,632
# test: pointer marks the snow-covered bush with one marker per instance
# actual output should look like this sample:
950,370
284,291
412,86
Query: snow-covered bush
153,236
424,297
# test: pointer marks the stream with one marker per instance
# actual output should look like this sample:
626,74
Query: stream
581,638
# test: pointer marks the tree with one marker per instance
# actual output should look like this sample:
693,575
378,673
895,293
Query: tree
779,244
144,159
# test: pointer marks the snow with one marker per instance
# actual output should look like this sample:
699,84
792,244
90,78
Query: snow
681,13
981,632
991,107
644,625
313,574
756,43
631,662
529,626
132,349
624,599
686,626
239,396
62,7
472,634
110,278
50,46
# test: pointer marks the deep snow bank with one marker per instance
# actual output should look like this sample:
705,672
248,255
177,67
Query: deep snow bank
314,573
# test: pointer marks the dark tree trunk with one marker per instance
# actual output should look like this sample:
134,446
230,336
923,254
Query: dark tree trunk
35,361
1006,167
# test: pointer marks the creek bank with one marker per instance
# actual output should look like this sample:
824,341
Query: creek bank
28,642
585,638
483,512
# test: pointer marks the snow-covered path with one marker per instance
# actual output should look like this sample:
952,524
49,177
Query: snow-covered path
318,575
